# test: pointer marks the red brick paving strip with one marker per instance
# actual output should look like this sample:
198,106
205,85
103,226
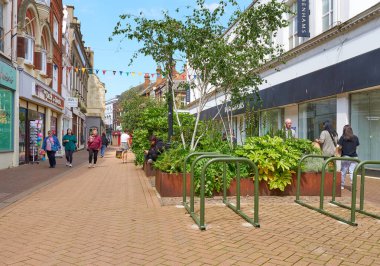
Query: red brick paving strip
110,215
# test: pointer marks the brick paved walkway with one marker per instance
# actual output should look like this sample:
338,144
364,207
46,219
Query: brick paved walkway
110,215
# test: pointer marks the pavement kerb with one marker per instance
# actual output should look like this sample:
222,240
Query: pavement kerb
28,193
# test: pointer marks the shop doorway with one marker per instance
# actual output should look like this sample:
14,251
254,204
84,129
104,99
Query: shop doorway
365,121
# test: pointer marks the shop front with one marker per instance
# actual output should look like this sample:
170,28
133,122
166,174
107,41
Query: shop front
39,111
7,99
365,121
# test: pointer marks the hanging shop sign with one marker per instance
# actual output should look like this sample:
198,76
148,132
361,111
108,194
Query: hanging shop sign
7,76
48,96
71,102
303,18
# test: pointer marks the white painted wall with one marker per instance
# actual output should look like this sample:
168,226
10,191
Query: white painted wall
342,112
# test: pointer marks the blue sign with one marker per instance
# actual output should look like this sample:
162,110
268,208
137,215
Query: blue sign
303,18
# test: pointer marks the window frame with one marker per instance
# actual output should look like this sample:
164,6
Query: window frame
2,31
55,77
43,62
329,14
55,29
29,49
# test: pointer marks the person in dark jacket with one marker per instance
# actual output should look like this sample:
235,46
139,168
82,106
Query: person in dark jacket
51,145
94,144
105,143
157,147
348,143
69,142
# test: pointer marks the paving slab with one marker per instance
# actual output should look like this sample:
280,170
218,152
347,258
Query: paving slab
111,215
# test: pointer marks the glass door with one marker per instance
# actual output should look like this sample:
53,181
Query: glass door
365,121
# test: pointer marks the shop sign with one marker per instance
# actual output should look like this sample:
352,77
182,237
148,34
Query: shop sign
6,119
72,102
7,76
48,96
303,18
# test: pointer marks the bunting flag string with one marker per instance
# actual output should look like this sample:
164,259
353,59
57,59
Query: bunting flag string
182,76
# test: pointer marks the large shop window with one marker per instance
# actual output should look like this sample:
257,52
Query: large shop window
313,114
365,122
271,121
6,120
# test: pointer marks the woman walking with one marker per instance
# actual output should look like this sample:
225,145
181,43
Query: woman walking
348,143
69,141
328,139
94,144
104,144
51,145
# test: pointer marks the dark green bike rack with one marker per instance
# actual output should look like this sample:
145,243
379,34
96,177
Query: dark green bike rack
321,198
201,155
354,181
201,220
184,175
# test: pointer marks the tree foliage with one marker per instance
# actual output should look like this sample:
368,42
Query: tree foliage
224,61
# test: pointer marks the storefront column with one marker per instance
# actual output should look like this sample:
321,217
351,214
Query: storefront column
60,127
342,112
48,115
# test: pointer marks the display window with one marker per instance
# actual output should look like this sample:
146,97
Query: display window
6,120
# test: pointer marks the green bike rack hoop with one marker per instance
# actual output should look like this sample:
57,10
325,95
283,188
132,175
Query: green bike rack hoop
362,179
321,197
184,172
255,221
205,156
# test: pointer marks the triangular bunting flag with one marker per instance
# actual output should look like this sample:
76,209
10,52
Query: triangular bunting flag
140,73
189,77
133,74
69,68
127,73
97,71
76,69
183,76
90,71
104,72
83,69
195,76
114,72
152,75
121,73
55,67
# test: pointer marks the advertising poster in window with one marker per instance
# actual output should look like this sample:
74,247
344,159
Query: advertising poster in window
35,139
6,117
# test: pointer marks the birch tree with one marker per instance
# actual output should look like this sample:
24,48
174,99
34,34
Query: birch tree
221,58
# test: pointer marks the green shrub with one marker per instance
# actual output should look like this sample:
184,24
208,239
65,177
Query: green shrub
276,158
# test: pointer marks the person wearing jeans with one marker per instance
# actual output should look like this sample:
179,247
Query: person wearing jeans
348,143
94,144
104,144
51,145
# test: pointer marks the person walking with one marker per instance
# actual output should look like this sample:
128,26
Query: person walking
124,145
51,145
69,142
348,143
94,144
328,139
105,143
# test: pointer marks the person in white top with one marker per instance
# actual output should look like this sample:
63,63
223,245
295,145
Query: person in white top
124,145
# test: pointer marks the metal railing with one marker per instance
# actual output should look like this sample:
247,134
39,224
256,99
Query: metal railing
362,183
201,220
321,197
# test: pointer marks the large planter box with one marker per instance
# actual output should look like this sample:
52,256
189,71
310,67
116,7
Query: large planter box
149,170
171,185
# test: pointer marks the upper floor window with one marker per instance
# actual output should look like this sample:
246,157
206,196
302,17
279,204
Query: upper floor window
293,38
327,14
43,61
1,26
29,49
55,29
